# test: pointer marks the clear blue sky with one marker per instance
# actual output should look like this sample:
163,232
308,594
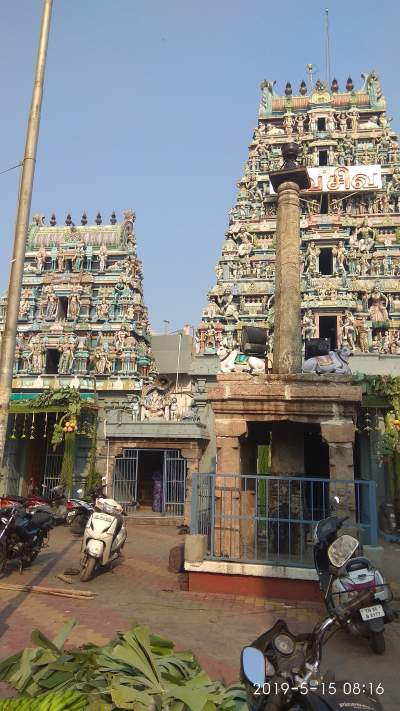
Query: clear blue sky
152,104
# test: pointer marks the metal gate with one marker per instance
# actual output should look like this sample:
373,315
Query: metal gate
52,466
125,478
174,482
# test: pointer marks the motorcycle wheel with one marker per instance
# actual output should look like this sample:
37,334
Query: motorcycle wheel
32,554
88,568
378,644
78,525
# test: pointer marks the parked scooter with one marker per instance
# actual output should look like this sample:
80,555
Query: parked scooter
342,575
281,671
80,510
23,534
104,537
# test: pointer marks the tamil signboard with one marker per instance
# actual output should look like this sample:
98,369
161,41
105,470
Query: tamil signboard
345,178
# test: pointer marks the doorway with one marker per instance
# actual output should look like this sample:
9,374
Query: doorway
326,262
316,465
52,361
328,329
155,478
150,464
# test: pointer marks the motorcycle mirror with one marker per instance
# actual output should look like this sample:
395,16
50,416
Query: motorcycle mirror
252,666
341,550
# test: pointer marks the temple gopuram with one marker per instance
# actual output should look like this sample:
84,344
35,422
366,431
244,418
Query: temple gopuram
349,257
350,224
82,313
88,397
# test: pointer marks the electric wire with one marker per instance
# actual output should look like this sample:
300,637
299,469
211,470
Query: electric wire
12,168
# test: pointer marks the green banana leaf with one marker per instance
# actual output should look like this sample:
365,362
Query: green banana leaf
137,671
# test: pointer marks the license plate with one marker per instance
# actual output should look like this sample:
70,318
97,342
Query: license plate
370,613
103,516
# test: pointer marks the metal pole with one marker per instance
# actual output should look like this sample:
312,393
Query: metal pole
21,228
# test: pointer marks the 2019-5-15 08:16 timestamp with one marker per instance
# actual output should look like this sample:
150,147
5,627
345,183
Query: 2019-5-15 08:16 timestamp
326,689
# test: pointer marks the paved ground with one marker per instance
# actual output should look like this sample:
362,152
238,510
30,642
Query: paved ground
215,627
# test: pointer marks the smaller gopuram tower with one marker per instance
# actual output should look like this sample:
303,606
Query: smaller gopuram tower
83,336
82,314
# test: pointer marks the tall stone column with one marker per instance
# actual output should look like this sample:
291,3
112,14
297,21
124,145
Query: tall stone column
287,321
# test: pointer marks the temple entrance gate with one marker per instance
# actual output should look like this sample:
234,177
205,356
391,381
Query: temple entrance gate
155,478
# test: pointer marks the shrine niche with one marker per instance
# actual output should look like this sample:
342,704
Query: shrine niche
350,223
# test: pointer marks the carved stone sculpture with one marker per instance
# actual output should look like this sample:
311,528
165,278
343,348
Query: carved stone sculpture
336,362
378,308
103,255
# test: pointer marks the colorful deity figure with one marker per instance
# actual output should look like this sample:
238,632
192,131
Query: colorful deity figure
378,308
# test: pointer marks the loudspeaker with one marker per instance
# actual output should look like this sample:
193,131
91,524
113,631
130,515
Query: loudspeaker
317,347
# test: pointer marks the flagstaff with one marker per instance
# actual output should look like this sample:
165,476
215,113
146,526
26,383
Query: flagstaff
21,226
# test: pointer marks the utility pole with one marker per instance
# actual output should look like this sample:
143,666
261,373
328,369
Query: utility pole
21,227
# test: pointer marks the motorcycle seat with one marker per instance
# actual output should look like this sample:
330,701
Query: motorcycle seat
41,519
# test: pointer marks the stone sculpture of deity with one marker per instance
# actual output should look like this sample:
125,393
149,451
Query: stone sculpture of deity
309,327
362,335
67,358
73,306
52,303
378,309
103,254
339,254
40,259
349,331
311,260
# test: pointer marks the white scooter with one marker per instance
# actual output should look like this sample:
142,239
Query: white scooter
104,537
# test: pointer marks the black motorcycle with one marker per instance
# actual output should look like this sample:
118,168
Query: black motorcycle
23,534
281,671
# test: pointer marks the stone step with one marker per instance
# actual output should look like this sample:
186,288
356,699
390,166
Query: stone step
155,520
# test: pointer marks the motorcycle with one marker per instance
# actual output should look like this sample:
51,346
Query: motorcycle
23,534
342,575
104,537
281,671
55,503
80,510
9,500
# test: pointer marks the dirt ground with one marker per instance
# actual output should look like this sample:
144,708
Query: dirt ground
215,627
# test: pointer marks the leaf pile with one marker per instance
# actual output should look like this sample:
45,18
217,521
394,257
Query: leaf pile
137,670
67,700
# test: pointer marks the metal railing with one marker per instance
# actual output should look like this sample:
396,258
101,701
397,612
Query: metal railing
271,519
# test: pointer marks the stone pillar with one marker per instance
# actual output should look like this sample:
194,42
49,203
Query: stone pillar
228,488
287,322
288,182
285,497
192,460
339,435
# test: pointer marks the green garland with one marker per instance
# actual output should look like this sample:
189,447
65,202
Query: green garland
67,467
